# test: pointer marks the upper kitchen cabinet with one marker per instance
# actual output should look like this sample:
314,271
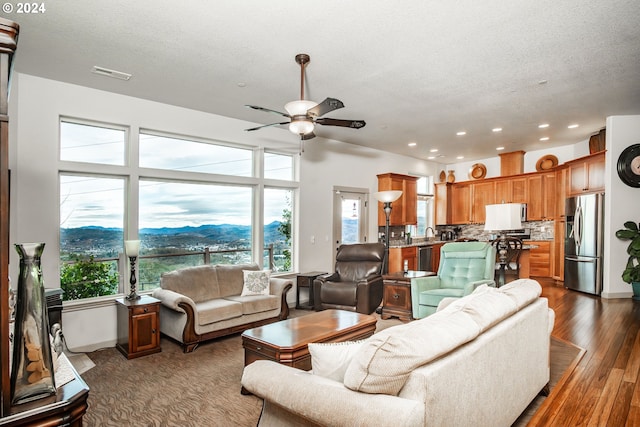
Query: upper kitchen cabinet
586,174
404,211
511,190
443,203
541,205
461,203
483,193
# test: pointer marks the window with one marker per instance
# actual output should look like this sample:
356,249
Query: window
163,152
277,228
187,218
189,201
425,206
92,144
278,166
91,223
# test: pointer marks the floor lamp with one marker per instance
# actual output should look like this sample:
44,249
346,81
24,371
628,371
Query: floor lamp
502,217
387,197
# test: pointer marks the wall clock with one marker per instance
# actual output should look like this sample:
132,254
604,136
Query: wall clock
629,165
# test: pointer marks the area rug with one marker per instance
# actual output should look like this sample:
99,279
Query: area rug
202,388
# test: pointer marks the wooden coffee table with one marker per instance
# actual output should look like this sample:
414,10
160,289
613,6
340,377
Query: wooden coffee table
286,341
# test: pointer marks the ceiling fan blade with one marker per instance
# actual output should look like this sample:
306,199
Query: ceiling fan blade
306,136
265,126
356,124
325,107
255,107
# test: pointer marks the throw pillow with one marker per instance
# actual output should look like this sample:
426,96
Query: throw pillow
256,282
330,360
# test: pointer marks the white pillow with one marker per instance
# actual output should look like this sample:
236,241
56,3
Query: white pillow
256,282
330,360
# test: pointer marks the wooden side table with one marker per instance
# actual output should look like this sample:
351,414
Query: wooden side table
138,326
396,296
305,280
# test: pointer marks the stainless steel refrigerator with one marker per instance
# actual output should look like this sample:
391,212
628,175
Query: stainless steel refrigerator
583,242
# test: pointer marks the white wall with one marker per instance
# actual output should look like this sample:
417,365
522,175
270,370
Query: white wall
622,204
37,104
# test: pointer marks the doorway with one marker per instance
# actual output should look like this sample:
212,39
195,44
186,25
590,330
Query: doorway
350,213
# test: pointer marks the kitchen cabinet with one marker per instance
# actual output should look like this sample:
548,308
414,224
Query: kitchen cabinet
558,251
561,192
542,191
483,193
443,203
435,256
511,190
397,256
540,258
404,211
586,175
461,203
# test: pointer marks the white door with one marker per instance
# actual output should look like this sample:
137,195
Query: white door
350,213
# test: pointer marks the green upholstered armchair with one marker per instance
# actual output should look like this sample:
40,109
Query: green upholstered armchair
463,267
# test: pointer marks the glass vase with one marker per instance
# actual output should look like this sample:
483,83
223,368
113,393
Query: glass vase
32,374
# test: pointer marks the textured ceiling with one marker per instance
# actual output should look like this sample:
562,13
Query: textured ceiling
415,71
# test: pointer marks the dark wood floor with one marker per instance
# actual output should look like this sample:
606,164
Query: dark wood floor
603,389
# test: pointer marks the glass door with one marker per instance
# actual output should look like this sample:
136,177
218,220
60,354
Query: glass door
350,213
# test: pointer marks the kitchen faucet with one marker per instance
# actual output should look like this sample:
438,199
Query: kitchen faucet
432,231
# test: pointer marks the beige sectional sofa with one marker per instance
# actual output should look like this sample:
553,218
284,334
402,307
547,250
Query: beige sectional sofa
478,361
204,302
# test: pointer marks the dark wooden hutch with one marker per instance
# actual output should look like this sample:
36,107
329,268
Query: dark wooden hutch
68,406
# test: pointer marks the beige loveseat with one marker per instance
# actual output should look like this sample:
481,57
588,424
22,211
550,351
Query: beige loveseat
204,302
478,361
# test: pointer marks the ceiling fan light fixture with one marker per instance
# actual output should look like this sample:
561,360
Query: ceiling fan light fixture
300,107
301,125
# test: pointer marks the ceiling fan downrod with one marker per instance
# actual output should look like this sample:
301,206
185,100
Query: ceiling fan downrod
303,59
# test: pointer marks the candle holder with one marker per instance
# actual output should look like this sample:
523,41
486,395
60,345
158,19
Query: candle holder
132,248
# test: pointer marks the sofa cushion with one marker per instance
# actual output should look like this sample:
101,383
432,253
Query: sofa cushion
386,359
522,291
330,360
231,278
255,282
216,310
256,303
487,306
200,283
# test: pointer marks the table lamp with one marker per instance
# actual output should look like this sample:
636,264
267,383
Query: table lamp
132,248
502,217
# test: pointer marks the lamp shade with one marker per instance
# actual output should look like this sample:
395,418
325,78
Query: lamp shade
300,107
505,216
301,126
132,247
387,196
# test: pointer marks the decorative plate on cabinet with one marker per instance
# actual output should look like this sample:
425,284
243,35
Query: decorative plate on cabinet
477,171
546,162
443,176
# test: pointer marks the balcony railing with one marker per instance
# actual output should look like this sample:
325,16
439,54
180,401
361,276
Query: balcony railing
150,267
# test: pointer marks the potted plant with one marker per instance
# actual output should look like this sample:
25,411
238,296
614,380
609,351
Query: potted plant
631,273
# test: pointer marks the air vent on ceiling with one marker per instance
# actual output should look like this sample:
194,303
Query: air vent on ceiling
110,73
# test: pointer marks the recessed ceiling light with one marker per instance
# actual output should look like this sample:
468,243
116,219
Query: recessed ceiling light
433,150
242,84
573,126
461,133
431,157
110,73
412,144
460,157
543,82
543,125
496,130
544,138
499,148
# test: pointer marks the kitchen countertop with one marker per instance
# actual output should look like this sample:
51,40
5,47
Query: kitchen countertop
435,242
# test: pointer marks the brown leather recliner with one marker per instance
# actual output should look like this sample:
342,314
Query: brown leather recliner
356,284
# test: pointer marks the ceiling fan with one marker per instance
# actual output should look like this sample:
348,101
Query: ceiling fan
303,114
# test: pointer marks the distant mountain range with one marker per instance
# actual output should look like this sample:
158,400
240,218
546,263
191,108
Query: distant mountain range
107,242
